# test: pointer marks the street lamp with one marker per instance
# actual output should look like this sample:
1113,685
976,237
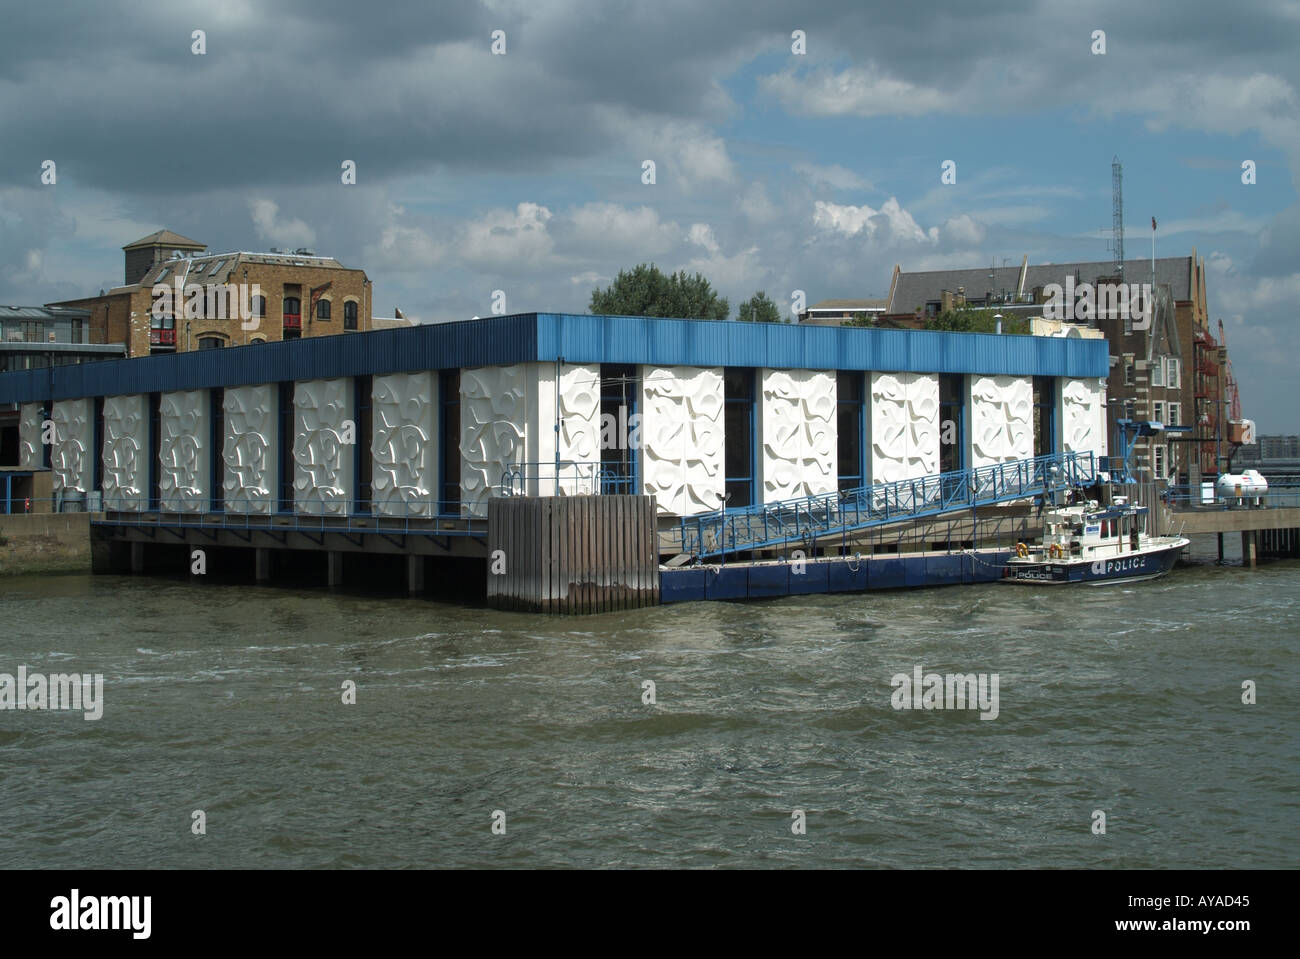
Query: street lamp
998,317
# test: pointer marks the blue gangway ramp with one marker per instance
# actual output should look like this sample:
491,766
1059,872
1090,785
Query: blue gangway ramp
795,520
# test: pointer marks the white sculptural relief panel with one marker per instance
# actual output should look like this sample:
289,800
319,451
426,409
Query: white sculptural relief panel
1001,419
183,464
250,449
404,444
493,417
324,461
799,445
681,438
70,459
31,451
1083,416
579,428
904,421
126,452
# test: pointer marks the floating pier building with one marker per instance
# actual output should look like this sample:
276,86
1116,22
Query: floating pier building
618,459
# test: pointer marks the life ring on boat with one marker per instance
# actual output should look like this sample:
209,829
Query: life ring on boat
1055,551
1022,550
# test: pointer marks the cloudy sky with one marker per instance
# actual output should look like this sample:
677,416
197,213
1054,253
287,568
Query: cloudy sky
774,170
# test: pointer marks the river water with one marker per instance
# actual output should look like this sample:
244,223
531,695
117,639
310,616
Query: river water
228,698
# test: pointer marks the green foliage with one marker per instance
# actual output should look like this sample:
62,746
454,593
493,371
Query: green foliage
971,320
860,319
648,291
758,309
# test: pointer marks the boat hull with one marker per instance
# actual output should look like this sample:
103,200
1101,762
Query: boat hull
1133,567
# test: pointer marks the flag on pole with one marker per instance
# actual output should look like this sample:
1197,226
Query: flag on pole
319,291
1153,223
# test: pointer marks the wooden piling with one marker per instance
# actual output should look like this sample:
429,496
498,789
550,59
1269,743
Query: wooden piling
572,554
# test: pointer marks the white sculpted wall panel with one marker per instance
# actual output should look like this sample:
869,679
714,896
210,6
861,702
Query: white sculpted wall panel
70,459
1002,419
799,446
404,444
493,415
31,451
1083,416
324,446
184,469
904,419
250,450
126,452
681,438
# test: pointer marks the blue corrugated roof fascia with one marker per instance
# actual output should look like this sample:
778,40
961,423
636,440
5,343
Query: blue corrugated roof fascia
673,342
577,338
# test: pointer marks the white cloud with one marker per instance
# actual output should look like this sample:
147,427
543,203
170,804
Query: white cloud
701,234
834,176
890,223
404,246
855,91
290,233
964,231
609,227
504,241
756,206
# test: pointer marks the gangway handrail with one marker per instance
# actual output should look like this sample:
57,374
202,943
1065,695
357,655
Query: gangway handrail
763,525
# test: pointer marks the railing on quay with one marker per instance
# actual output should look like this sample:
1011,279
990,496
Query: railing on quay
1277,496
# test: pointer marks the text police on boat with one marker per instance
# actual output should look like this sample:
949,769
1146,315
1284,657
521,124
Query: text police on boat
1095,545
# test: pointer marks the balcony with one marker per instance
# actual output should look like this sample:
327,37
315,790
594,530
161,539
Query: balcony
293,321
163,339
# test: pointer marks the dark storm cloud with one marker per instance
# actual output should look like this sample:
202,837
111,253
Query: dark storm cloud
287,91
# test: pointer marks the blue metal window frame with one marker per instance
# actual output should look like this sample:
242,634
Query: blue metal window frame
1045,386
751,403
155,448
362,492
962,404
97,445
217,444
448,379
633,479
859,407
47,414
286,430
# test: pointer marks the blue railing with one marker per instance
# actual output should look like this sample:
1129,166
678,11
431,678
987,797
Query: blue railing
1278,496
415,517
772,524
566,478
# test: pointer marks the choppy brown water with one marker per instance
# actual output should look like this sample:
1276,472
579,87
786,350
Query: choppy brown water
227,698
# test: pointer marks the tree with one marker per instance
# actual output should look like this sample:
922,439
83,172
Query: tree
966,319
758,309
859,319
647,291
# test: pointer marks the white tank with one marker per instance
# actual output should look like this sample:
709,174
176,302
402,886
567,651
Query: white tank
1241,485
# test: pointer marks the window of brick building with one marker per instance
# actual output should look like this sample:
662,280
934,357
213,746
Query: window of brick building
323,310
350,315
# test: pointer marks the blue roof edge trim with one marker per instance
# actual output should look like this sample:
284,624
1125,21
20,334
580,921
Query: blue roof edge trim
575,338
675,342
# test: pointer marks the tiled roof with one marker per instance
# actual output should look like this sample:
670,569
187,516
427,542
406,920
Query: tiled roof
165,238
916,289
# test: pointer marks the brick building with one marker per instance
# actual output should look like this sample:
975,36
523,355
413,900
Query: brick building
298,294
1170,372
